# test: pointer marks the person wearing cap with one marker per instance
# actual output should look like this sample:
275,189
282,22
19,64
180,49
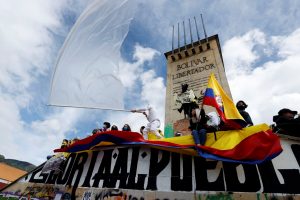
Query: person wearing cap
241,106
285,115
287,122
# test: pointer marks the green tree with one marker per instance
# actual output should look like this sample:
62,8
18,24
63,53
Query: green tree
2,158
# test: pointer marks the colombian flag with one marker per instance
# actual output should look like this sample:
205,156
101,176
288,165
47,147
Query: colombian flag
216,97
250,145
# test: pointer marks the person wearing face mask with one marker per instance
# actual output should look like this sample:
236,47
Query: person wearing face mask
126,127
241,106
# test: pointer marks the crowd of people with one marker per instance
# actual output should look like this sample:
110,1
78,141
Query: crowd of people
65,143
287,122
150,131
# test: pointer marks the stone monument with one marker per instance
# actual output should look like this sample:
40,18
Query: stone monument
191,64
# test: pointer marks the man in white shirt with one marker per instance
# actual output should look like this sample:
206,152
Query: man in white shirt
151,130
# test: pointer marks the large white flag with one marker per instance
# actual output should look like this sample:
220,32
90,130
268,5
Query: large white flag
85,72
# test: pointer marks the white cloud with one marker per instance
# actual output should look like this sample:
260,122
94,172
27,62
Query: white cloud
25,41
9,115
129,72
288,46
143,54
26,52
154,92
144,87
239,54
273,84
46,135
38,138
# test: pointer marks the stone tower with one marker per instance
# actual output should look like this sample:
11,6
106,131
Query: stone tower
191,64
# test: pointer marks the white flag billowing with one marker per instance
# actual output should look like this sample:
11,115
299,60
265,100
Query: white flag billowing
85,72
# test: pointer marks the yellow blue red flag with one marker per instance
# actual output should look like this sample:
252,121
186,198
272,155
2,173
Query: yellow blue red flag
250,145
216,97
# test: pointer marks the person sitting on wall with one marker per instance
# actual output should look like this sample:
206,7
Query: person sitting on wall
197,116
74,140
241,106
287,122
95,131
197,123
142,129
106,126
114,128
201,124
126,127
64,143
187,99
151,130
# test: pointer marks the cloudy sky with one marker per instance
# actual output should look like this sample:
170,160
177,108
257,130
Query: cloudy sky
260,41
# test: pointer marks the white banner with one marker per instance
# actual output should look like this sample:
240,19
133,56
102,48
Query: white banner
85,72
